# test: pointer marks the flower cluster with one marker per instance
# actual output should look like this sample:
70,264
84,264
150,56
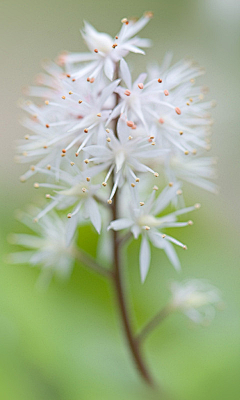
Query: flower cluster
94,133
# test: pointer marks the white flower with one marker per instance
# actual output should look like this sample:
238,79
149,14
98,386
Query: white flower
73,189
189,130
137,98
195,169
46,247
124,156
105,50
70,120
195,298
144,221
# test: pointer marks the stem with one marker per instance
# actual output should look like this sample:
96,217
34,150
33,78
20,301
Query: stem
153,323
118,283
91,263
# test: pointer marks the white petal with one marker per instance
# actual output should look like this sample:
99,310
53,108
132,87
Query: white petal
91,208
71,229
109,68
125,73
120,224
145,257
172,255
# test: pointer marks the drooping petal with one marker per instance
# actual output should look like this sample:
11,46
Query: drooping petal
144,258
125,73
119,224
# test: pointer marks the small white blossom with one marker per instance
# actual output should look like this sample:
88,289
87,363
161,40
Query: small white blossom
107,51
144,221
124,156
195,298
73,190
46,247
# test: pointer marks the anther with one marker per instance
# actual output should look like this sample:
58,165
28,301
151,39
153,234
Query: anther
49,167
46,102
109,201
88,79
99,115
63,97
84,190
88,179
194,152
133,185
197,206
127,92
108,139
141,203
79,101
151,137
107,130
188,104
148,14
178,111
155,187
73,80
32,168
166,92
114,45
26,137
179,192
70,92
170,184
45,146
72,163
86,130
130,137
153,143
181,133
156,174
48,196
147,228
134,126
161,120
47,126
191,100
184,247
124,20
104,184
137,180
76,154
190,223
63,155
130,124
63,150
36,185
163,236
22,178
159,80
95,50
140,85
116,37
186,152
92,80
69,215
68,76
86,161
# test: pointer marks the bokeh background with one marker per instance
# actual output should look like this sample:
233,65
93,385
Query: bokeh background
66,343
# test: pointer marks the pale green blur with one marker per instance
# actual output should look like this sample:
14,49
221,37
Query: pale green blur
66,343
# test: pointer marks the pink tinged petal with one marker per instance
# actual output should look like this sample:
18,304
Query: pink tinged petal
109,68
125,73
144,258
121,223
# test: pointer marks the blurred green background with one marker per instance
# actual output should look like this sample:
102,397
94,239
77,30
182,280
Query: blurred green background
66,343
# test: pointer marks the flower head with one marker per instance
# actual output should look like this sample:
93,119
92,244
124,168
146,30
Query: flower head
46,247
107,51
195,298
144,221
